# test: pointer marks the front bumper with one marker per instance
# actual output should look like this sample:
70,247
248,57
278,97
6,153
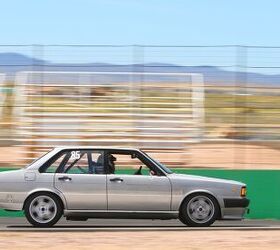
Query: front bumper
234,208
236,202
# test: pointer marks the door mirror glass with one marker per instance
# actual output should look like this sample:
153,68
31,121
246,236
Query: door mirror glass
153,173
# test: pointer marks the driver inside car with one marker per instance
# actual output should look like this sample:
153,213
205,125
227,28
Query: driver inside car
112,167
111,164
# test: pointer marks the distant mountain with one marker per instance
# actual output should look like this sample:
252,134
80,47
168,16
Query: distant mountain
10,63
15,59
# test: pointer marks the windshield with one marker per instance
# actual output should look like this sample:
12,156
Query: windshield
162,166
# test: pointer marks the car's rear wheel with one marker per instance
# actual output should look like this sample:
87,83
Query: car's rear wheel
43,209
199,210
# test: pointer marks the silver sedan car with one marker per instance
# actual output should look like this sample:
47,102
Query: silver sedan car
89,182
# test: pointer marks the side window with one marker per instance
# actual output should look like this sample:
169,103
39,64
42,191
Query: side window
126,164
84,162
96,160
55,164
77,163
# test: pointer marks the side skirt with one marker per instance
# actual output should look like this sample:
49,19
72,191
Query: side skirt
117,214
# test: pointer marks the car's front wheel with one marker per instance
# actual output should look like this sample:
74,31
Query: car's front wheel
43,209
199,210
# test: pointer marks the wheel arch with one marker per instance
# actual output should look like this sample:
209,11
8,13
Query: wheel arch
46,191
197,192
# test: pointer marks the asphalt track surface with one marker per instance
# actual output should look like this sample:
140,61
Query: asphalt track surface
113,225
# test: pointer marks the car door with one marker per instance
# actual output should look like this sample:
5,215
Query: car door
130,192
82,180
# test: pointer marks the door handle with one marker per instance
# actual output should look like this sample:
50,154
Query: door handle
116,180
64,178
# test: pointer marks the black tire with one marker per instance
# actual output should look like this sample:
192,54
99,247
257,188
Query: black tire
55,209
186,214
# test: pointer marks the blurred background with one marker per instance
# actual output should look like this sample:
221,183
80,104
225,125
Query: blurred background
188,106
196,84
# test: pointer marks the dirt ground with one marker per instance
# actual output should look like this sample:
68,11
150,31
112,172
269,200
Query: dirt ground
212,240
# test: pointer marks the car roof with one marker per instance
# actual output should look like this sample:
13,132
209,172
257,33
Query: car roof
95,147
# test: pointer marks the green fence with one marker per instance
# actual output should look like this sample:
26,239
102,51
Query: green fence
263,189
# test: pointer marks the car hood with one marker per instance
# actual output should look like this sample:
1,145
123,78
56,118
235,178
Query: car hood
204,179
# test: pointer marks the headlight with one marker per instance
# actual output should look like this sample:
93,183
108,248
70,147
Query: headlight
243,191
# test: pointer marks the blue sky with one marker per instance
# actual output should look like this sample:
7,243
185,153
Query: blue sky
178,22
155,22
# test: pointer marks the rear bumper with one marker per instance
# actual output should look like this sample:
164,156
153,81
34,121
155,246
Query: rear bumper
237,202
